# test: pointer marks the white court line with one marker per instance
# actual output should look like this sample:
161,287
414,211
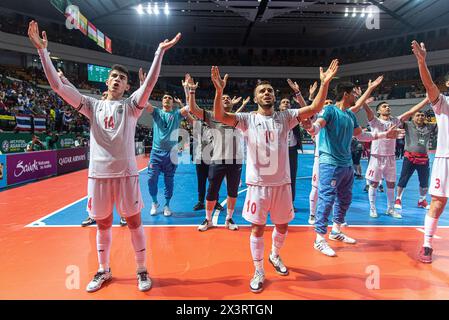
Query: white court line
40,223
423,231
222,226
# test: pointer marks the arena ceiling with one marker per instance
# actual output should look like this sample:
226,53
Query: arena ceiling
253,23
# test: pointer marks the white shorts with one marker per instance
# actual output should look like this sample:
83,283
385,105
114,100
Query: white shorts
315,172
439,180
261,200
381,167
103,193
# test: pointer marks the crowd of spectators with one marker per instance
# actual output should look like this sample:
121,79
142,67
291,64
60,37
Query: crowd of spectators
377,49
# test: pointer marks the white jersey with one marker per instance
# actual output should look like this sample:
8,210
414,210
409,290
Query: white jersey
383,147
112,130
441,109
267,163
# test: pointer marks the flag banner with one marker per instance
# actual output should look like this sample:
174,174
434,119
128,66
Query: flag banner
39,124
100,38
23,122
92,31
108,44
83,24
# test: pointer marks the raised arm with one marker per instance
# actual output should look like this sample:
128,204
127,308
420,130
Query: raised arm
369,112
372,85
244,103
194,109
219,113
318,102
299,98
403,117
69,93
142,75
392,133
420,52
143,93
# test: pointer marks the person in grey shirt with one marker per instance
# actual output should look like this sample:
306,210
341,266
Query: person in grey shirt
226,161
417,137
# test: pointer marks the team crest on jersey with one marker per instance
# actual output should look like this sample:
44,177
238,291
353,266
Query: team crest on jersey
120,109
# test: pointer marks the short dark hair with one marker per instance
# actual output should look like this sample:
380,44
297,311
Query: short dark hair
121,69
342,88
259,83
379,104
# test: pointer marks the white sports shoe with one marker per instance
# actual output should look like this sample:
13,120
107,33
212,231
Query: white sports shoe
312,219
393,213
340,236
256,283
278,265
323,247
98,280
167,211
154,207
373,213
230,224
206,224
143,281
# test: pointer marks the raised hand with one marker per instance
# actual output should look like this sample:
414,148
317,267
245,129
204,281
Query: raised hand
312,89
186,80
375,83
235,100
142,76
168,44
178,101
419,50
327,76
190,83
245,102
33,34
218,82
294,86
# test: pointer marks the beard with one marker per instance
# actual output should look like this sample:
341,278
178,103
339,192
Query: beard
266,105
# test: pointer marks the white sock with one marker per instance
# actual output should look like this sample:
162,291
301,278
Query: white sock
230,214
430,226
390,197
139,243
313,197
104,241
319,237
372,197
209,215
278,241
336,228
257,247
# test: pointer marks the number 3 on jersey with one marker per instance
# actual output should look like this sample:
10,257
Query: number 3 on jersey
253,207
109,122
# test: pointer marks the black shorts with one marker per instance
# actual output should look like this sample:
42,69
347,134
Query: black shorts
217,172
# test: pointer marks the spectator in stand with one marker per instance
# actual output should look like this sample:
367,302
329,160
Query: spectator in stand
35,144
51,140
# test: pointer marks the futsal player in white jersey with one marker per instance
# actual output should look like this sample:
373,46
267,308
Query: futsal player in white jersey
267,170
113,177
382,163
439,181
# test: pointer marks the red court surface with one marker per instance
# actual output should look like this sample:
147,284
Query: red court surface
187,264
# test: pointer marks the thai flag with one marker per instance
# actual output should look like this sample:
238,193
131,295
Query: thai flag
23,122
39,124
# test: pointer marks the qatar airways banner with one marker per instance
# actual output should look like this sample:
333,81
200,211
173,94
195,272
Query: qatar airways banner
69,160
29,166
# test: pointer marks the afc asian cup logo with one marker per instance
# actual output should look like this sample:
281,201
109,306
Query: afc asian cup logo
5,146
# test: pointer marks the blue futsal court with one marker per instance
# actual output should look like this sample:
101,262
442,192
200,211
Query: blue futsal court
185,197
